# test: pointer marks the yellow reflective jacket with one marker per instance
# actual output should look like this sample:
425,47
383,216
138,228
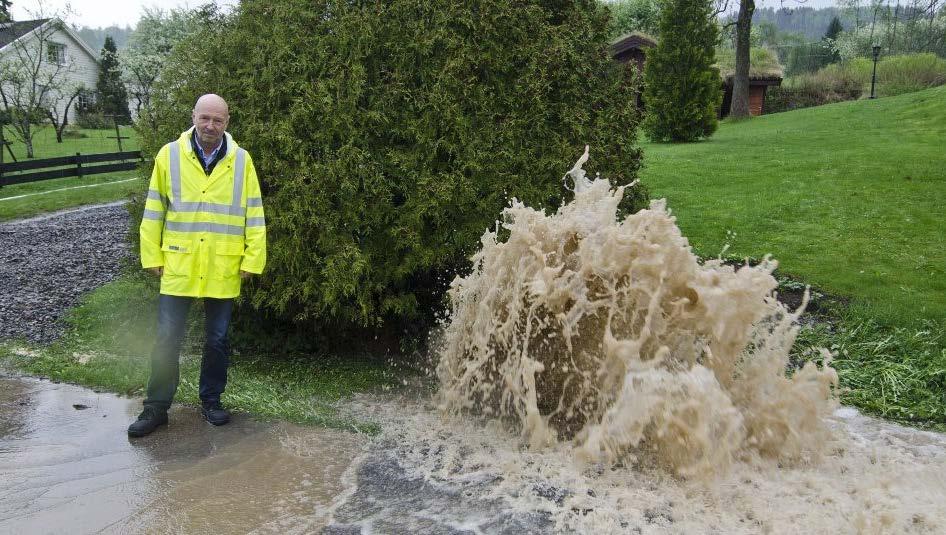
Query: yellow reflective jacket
203,229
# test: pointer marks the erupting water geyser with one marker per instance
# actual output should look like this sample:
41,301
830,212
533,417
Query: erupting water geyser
610,334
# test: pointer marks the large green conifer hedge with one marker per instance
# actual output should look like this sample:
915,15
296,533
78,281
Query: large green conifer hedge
390,135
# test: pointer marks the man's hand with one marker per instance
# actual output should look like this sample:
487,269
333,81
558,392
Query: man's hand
156,271
245,275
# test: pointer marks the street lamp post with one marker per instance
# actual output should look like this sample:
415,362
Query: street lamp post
873,77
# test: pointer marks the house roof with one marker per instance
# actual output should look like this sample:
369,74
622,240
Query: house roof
11,31
631,40
763,65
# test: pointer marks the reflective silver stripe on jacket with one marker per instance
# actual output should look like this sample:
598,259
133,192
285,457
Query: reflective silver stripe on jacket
239,167
254,202
256,222
154,214
209,207
175,173
218,228
156,196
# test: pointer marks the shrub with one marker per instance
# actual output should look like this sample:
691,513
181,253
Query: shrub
905,74
93,121
389,136
682,87
75,132
807,91
851,80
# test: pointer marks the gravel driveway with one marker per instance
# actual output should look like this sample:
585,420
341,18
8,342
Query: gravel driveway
47,263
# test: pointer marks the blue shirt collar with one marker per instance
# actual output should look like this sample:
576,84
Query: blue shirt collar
205,158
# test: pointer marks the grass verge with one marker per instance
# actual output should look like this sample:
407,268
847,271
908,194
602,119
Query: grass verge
42,197
62,193
109,339
896,373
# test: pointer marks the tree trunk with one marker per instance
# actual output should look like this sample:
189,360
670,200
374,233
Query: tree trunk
65,118
25,129
55,123
740,81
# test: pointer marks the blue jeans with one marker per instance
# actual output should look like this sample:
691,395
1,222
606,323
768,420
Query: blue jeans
165,359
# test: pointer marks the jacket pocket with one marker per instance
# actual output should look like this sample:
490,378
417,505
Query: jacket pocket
227,259
178,257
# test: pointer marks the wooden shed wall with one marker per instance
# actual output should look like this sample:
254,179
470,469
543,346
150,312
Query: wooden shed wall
756,98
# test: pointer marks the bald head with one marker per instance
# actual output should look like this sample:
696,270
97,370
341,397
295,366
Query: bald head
211,116
213,102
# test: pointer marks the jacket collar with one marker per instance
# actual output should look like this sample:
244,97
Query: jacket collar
185,140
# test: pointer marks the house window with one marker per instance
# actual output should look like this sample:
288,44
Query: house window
86,100
56,53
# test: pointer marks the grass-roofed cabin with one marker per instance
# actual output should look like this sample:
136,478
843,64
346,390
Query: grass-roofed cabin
632,47
764,71
764,68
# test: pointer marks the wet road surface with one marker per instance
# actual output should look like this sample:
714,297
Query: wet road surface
67,466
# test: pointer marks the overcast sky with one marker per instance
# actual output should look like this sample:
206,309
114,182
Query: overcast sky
104,13
100,13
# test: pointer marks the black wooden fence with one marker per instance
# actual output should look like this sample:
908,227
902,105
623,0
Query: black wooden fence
66,166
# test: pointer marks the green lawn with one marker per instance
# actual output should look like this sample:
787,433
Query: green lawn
25,200
849,197
51,195
75,140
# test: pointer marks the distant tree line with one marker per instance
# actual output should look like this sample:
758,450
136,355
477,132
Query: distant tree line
95,37
809,22
800,35
901,27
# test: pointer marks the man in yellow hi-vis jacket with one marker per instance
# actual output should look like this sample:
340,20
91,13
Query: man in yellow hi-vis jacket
203,232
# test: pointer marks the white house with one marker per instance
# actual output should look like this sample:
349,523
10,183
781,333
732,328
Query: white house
62,61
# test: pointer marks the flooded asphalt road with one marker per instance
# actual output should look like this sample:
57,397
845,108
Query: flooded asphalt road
67,466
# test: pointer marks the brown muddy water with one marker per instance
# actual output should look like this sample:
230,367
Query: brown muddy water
69,470
67,466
